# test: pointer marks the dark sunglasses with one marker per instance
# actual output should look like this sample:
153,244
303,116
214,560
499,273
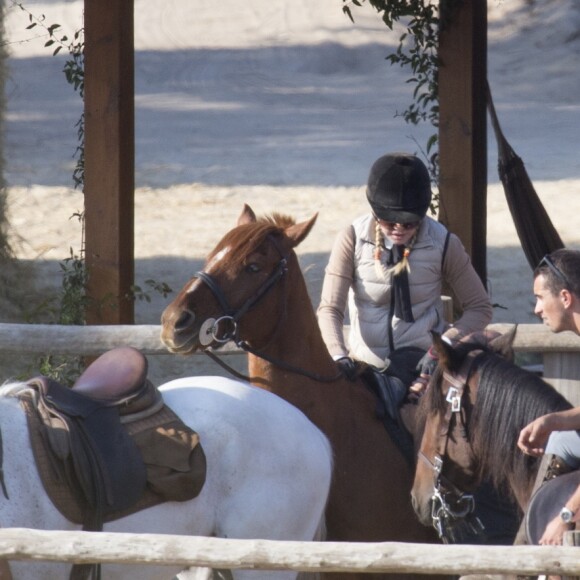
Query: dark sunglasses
393,225
548,262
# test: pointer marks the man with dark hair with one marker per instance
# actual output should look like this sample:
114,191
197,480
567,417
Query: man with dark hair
557,435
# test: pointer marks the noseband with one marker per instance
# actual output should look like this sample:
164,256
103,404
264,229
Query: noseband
225,328
450,506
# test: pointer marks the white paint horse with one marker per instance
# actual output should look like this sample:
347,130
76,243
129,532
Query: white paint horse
268,476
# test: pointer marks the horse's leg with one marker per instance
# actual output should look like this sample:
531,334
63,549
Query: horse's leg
5,573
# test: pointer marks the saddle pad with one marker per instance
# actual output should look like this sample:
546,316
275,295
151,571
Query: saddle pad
71,503
547,502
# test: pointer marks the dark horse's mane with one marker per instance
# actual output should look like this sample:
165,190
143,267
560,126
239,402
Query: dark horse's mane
508,398
248,237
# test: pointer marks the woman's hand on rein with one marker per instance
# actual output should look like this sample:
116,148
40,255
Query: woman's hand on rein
418,388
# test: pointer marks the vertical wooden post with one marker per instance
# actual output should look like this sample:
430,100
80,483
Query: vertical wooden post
463,127
109,159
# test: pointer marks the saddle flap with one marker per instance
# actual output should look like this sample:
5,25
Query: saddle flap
547,502
104,461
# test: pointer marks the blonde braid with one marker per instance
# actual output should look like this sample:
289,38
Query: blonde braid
380,269
378,241
404,262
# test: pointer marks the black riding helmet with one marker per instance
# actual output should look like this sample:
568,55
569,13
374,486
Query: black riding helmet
399,188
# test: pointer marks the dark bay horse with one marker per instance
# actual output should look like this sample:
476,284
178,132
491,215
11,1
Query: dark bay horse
252,291
474,409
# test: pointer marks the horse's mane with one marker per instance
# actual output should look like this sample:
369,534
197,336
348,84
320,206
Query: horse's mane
508,398
247,238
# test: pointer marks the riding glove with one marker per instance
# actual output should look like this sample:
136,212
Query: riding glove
348,367
428,363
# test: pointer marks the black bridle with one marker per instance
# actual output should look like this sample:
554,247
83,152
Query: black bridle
452,508
225,328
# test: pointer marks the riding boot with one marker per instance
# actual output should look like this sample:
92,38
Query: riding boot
551,466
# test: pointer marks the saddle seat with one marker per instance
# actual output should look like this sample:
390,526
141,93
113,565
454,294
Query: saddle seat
118,378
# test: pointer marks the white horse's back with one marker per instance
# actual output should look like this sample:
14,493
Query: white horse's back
268,476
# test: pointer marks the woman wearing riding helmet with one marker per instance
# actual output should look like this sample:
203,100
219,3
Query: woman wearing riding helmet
390,266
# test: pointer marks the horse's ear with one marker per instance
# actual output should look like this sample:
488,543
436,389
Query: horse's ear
449,360
503,344
247,216
442,349
297,232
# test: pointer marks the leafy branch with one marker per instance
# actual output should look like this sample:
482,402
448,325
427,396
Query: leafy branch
417,50
74,72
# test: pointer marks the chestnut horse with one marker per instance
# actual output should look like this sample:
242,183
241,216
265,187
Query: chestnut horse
476,405
252,291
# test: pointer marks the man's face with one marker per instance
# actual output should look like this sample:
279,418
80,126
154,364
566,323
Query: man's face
551,307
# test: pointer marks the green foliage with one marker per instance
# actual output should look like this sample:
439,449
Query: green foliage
73,299
418,51
137,293
74,72
71,302
70,310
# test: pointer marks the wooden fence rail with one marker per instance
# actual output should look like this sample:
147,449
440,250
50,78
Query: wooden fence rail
560,352
392,557
94,340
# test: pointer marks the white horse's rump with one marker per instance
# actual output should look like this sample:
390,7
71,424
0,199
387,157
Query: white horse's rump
268,476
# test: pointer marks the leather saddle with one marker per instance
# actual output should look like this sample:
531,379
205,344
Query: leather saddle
547,502
94,443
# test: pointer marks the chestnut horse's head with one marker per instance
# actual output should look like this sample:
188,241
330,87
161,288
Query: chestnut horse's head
447,467
235,293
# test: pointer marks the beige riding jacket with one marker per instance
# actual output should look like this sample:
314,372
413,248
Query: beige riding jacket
352,277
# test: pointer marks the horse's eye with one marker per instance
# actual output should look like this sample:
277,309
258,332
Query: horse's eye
253,268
